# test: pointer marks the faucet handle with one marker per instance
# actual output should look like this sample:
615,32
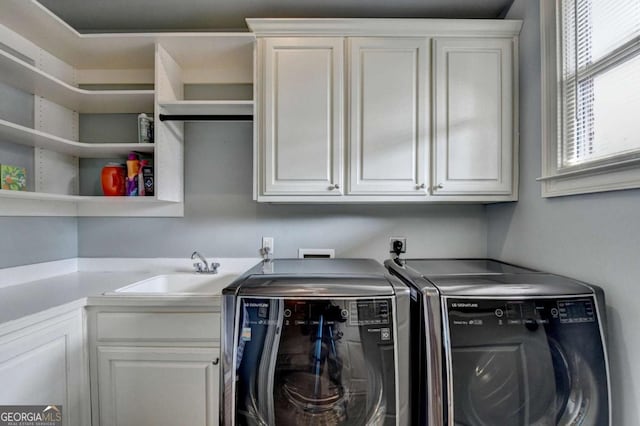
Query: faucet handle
213,268
198,267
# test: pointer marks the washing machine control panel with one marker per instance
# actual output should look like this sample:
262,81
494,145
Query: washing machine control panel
576,311
369,312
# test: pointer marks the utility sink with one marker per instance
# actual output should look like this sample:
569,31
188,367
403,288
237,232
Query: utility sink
183,283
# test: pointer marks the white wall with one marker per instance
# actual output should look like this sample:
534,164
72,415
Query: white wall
221,219
595,238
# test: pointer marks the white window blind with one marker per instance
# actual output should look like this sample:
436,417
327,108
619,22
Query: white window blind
599,87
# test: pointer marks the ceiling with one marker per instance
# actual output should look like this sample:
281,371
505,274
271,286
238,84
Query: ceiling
175,15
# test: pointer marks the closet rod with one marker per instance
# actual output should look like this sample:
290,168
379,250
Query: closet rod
215,117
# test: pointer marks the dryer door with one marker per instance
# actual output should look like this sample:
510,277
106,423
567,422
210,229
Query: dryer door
526,362
315,362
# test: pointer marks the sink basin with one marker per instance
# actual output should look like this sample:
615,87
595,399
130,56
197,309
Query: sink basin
181,284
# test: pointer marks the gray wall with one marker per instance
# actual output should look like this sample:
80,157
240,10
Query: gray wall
222,220
29,239
595,238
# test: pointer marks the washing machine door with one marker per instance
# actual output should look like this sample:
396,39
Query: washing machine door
526,362
315,362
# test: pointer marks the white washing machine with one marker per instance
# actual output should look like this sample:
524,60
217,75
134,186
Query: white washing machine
504,345
316,342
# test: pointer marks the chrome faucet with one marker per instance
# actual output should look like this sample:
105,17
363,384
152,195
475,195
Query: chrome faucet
202,266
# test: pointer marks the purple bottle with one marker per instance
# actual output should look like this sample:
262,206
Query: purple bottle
133,166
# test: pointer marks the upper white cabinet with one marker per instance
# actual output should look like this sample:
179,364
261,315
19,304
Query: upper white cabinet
474,116
388,116
302,116
430,109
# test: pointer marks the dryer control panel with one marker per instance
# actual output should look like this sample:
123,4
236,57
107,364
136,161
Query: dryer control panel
528,312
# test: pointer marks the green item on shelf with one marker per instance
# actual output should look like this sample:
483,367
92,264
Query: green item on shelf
13,178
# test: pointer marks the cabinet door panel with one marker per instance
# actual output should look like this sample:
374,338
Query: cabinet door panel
473,98
303,111
158,386
44,364
37,375
388,116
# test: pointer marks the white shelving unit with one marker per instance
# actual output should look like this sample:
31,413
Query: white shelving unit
53,72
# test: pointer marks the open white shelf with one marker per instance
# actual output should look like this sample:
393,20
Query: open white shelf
42,196
102,199
15,133
207,107
26,203
29,195
25,76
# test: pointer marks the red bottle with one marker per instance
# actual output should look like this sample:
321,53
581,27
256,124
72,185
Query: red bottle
113,179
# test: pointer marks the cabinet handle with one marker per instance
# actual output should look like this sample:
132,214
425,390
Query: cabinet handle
421,186
332,187
216,361
439,186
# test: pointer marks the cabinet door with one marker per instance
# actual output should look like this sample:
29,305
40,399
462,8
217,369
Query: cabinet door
388,116
158,386
45,364
303,116
473,101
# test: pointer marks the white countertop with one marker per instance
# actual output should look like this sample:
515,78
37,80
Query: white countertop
33,289
32,297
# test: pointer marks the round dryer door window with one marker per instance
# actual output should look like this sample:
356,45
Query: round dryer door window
315,362
526,362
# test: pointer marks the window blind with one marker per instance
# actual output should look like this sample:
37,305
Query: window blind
599,80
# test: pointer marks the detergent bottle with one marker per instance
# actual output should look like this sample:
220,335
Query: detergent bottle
133,166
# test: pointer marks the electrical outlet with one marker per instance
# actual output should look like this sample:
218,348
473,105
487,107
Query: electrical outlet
267,246
398,245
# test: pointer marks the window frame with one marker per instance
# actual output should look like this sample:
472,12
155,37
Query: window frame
616,173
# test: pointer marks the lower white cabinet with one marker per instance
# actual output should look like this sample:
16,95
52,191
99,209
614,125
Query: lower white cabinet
45,364
158,386
154,366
